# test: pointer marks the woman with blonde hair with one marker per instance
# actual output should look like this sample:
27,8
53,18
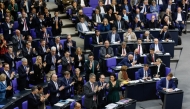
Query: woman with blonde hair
160,68
122,75
38,68
105,26
3,86
79,59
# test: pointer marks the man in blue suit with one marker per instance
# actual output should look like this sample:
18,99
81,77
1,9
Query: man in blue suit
113,37
128,61
158,48
67,82
166,84
144,73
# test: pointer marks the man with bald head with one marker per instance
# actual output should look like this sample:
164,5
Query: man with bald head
128,61
158,48
106,51
18,41
24,24
77,105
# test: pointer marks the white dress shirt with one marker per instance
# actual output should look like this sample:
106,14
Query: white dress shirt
145,74
8,24
179,17
156,47
129,37
98,20
58,49
79,56
97,39
123,51
102,11
167,84
144,9
159,2
140,47
82,3
138,16
84,27
113,38
158,70
107,2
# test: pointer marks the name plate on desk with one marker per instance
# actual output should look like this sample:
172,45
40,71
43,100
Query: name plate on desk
134,81
167,41
90,32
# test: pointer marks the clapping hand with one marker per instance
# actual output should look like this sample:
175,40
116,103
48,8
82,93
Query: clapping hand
121,84
61,88
9,88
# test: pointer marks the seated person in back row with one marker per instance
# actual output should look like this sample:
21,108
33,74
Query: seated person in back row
141,48
158,48
83,26
97,38
160,69
144,73
123,50
147,37
153,23
166,84
106,51
164,34
113,37
128,61
151,57
129,36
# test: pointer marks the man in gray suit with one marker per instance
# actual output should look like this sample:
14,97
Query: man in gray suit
106,51
90,91
18,41
83,26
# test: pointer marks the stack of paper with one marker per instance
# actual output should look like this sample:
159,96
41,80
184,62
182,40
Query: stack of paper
176,89
59,104
111,106
70,100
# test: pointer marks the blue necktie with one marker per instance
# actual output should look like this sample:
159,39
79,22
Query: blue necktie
164,36
127,8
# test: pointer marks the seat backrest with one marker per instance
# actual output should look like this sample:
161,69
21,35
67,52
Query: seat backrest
16,108
90,40
49,28
136,75
111,62
59,67
34,60
145,59
16,25
18,63
83,100
88,11
33,33
25,105
116,74
149,16
62,41
14,84
72,105
168,70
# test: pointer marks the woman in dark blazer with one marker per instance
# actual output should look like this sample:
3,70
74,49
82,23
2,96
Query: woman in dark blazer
111,17
160,68
79,82
79,59
38,67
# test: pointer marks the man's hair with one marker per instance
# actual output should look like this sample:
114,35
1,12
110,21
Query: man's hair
91,54
92,75
34,88
146,65
152,49
170,74
23,59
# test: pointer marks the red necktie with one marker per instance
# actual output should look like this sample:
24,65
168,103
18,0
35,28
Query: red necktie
139,49
152,58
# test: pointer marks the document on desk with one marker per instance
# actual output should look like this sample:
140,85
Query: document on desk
176,89
70,100
111,106
59,104
90,32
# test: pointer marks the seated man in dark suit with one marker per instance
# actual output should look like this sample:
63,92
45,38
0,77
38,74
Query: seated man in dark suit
67,62
106,51
102,92
113,37
97,38
46,35
164,34
68,83
43,49
158,48
70,45
151,57
123,50
10,57
136,24
9,77
147,37
91,66
33,101
90,92
144,73
128,61
153,23
119,24
141,48
97,18
55,87
166,84
59,47
29,52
